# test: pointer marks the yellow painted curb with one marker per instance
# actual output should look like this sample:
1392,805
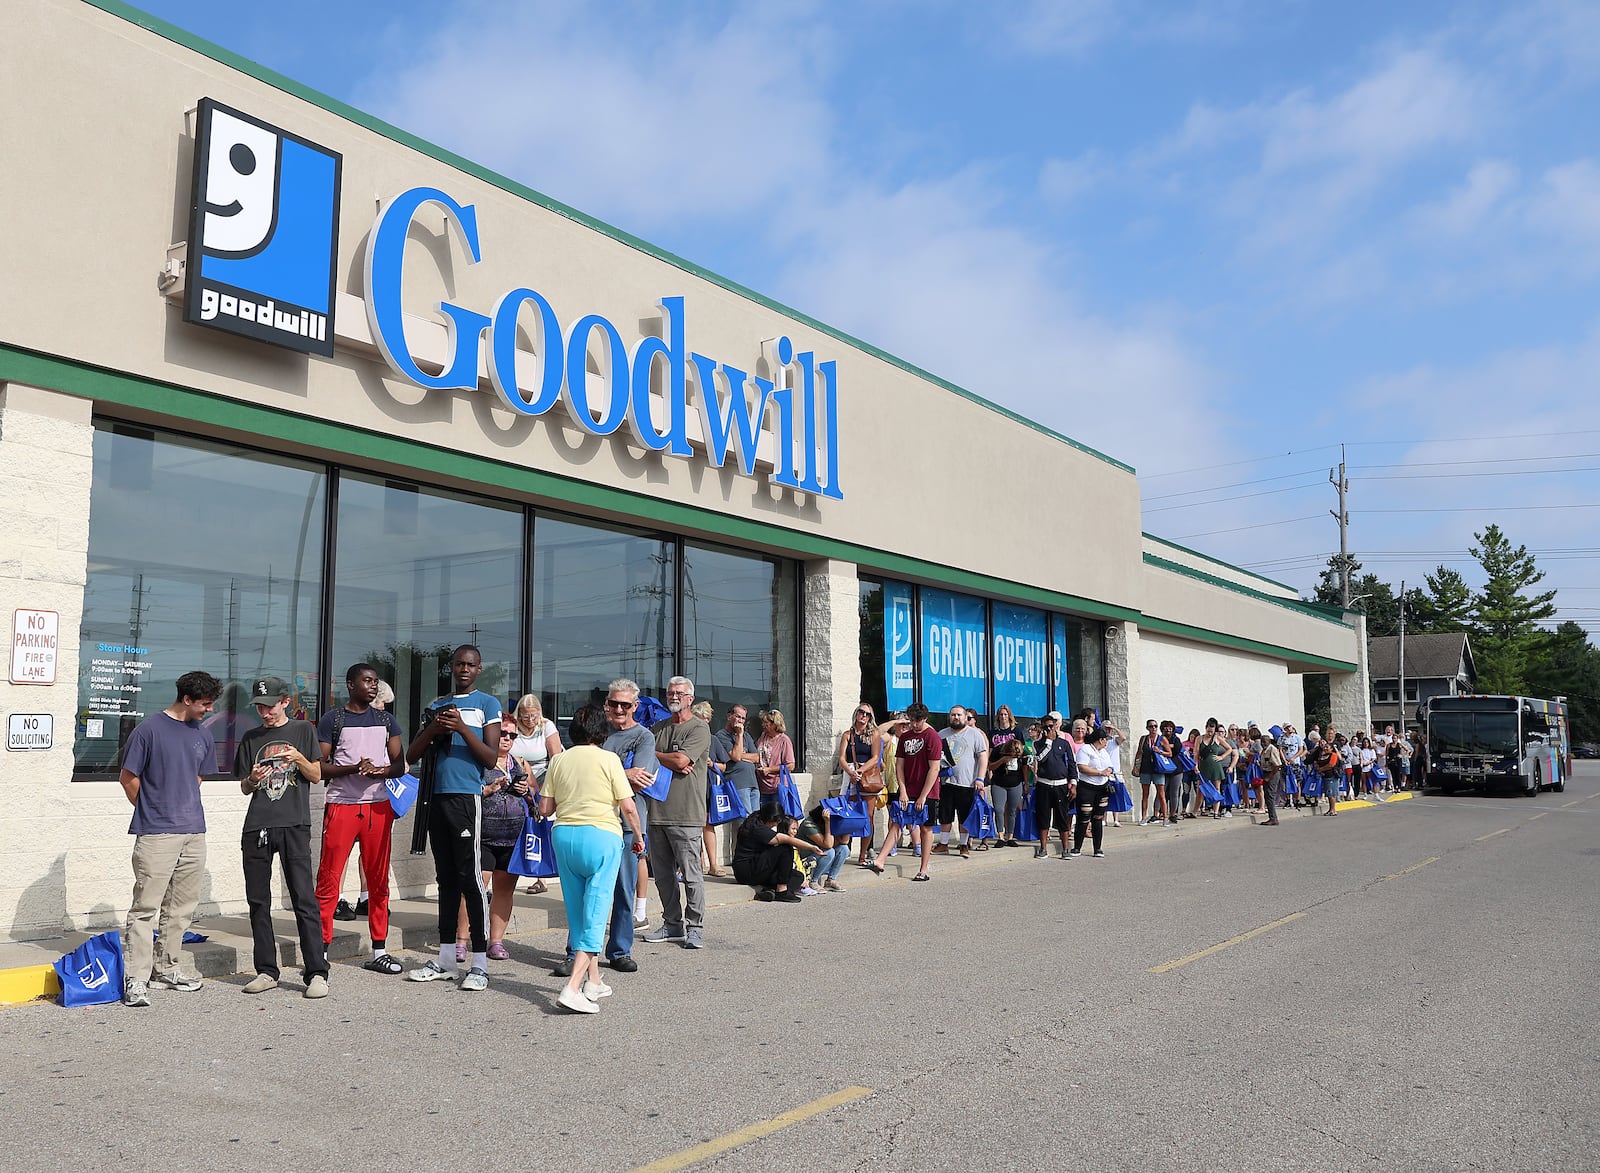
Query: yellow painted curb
1352,804
28,982
1402,796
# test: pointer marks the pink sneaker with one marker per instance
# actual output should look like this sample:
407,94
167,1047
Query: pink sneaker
497,951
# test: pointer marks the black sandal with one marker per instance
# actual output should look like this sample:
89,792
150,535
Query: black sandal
384,963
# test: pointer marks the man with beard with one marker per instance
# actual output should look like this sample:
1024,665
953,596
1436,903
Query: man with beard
683,745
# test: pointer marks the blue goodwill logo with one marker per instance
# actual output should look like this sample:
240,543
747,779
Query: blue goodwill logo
263,232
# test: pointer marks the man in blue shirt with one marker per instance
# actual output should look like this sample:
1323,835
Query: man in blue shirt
161,768
459,730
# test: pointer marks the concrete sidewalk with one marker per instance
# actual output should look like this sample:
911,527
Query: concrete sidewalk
26,973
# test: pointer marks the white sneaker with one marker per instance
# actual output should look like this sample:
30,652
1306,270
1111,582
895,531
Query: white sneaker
175,980
576,1002
260,984
594,991
430,972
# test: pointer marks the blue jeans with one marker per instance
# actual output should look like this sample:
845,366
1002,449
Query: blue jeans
751,797
589,859
826,866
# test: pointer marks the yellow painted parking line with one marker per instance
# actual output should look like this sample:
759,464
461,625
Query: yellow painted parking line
1574,802
744,1136
1416,867
1491,834
1169,966
1540,815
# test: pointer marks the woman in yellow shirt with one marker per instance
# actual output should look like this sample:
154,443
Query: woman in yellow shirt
584,789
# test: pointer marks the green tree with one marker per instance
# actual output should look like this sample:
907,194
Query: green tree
1369,594
1445,604
1505,628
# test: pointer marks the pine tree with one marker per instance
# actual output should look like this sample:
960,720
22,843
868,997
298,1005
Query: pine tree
1445,605
1505,631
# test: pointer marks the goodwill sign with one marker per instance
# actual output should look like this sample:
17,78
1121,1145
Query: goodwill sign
262,263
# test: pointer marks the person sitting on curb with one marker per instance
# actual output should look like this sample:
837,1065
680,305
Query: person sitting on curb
763,857
817,829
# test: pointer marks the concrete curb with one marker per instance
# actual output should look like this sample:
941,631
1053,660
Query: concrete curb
26,973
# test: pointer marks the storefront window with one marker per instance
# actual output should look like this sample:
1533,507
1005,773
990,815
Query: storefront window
417,573
604,607
870,609
202,556
739,631
1085,661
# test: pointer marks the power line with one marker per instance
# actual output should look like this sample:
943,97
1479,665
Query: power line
1238,528
1478,508
1483,460
1305,472
1238,497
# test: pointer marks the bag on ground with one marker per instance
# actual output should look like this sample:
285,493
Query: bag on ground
91,975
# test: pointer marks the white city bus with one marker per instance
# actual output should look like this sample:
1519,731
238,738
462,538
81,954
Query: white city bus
1479,742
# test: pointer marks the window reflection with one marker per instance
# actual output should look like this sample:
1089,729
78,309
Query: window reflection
201,556
739,630
419,572
603,608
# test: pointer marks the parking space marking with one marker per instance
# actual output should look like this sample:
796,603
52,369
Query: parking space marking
1491,834
1168,966
1407,871
756,1131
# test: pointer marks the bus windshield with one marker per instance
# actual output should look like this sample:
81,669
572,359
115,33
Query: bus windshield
1473,733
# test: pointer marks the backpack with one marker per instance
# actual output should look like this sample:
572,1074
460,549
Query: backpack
390,726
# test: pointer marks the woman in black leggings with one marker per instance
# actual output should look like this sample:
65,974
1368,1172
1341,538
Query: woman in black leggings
1095,771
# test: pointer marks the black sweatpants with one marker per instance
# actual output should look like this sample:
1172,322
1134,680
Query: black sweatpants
774,866
292,845
455,833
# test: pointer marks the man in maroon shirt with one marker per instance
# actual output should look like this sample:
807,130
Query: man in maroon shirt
917,767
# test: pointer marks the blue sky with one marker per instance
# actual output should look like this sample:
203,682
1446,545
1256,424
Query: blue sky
1214,240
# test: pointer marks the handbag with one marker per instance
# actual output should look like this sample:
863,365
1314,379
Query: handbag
1209,791
724,804
1378,774
402,794
871,774
661,787
1186,760
1230,794
848,815
534,855
91,975
1313,785
979,823
908,814
1121,801
789,795
1025,826
1163,762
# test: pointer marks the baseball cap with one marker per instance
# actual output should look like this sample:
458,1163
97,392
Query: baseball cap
268,690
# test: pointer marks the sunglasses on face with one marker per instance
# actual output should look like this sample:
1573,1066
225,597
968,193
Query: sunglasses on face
619,704
508,733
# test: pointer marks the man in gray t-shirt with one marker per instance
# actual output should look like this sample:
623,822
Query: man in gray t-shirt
966,754
735,751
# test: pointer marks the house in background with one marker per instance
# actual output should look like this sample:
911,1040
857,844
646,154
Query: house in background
1436,665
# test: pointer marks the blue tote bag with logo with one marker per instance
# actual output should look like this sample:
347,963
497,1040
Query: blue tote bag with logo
402,794
658,789
979,823
789,794
534,855
848,814
723,803
1121,801
91,975
907,814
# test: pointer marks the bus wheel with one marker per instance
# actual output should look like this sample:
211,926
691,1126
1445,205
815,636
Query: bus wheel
1538,780
1560,784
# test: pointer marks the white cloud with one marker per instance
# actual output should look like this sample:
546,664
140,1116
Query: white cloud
1480,196
627,118
1567,205
930,273
1062,181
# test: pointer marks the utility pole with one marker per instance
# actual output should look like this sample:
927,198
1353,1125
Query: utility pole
1341,483
1402,658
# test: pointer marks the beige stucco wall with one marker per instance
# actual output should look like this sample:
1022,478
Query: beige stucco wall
1189,682
96,119
1197,561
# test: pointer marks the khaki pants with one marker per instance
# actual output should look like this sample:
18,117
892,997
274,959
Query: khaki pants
167,870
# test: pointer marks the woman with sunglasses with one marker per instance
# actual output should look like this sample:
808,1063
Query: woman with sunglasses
507,802
860,767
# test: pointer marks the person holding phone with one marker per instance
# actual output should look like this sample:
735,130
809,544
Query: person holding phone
467,725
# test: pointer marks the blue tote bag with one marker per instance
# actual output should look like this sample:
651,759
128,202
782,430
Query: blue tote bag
534,855
1209,791
723,802
658,789
1313,785
907,814
1026,826
1230,793
848,815
789,794
979,822
91,975
1121,801
402,794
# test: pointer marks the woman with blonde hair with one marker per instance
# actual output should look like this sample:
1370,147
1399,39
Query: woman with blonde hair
536,742
774,751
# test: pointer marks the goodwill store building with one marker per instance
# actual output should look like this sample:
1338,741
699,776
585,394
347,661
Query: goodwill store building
283,388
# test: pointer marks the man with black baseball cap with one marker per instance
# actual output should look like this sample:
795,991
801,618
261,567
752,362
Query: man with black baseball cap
276,765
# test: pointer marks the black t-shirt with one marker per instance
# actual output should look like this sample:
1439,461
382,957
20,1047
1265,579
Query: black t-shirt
284,799
1008,773
754,838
